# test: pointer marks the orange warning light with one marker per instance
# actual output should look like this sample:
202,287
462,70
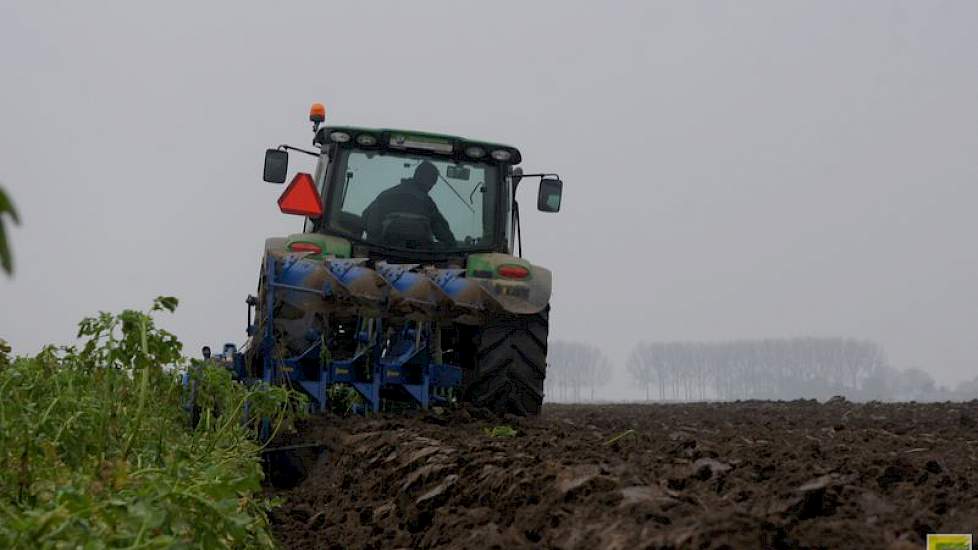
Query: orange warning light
317,113
301,198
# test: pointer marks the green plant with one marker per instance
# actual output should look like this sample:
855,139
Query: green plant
619,437
500,431
343,398
98,453
6,257
4,353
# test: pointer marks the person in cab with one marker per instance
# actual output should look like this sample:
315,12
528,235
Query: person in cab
405,215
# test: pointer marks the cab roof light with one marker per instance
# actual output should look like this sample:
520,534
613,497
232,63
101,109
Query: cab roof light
301,197
367,140
339,137
502,155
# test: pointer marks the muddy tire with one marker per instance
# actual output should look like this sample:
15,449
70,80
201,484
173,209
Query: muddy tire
510,363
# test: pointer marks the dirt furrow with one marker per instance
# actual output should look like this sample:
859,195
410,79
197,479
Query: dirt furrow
739,475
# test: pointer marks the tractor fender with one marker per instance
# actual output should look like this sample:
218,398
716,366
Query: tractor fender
330,245
518,296
276,244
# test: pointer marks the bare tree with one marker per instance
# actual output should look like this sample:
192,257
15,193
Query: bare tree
641,369
575,370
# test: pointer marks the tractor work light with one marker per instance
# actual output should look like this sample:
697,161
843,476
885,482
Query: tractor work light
510,271
366,140
475,152
339,137
502,155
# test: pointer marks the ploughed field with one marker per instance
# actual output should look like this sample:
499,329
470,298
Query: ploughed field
738,475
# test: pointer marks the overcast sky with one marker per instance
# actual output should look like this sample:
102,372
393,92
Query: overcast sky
732,170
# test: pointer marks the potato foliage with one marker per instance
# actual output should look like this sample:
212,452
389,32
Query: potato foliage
99,451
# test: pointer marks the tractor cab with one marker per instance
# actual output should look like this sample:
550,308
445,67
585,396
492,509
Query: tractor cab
408,194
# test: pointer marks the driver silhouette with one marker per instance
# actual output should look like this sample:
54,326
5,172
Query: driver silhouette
406,216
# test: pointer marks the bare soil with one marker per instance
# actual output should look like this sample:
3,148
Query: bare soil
738,475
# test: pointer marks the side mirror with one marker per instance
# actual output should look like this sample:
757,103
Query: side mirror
548,200
276,165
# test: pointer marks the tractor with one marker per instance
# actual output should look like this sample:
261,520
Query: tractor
406,287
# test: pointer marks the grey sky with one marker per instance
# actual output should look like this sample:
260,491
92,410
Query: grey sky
771,168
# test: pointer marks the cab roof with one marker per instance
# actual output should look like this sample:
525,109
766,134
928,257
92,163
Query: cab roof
383,135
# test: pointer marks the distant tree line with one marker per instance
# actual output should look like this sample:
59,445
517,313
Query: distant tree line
791,368
785,368
890,384
754,369
574,371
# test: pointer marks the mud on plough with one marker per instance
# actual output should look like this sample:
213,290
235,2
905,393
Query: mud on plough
384,331
371,329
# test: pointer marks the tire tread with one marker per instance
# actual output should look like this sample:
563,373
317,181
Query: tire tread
510,365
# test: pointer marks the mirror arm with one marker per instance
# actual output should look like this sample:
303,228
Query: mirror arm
290,148
520,180
516,228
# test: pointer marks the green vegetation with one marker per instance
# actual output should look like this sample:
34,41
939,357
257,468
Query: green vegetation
500,431
343,398
619,437
6,257
98,451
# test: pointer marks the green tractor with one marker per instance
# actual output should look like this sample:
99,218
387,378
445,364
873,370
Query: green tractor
407,286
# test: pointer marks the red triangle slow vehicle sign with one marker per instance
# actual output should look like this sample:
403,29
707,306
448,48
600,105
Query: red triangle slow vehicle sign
301,198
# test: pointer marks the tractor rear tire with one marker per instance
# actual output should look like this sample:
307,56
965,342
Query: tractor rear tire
510,364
